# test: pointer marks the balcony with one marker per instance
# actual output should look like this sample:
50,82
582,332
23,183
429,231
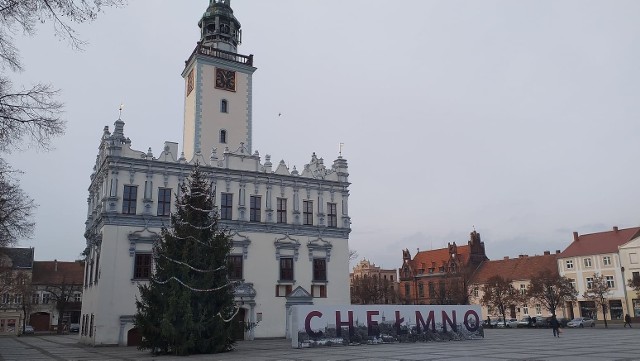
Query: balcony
221,54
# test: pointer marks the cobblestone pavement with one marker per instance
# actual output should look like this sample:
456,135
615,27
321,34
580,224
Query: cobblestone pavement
501,344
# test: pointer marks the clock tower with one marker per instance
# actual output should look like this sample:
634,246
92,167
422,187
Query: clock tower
218,87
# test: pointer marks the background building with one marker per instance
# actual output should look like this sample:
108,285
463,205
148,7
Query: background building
56,294
15,271
597,253
630,267
289,227
371,284
520,271
441,276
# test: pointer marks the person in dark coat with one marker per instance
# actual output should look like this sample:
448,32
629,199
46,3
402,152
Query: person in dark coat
555,326
627,320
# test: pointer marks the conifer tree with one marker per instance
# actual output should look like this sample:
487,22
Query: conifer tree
187,306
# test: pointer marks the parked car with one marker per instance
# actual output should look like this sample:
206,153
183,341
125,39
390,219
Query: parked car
526,321
28,330
543,322
74,327
581,322
510,323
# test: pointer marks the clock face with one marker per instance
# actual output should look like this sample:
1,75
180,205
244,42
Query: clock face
226,79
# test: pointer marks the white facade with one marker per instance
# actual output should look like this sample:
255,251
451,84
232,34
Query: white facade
275,215
630,262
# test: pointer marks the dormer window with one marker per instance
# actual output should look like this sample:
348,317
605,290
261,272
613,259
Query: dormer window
224,106
223,136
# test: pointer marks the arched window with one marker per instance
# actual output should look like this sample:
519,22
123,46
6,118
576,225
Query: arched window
223,136
224,105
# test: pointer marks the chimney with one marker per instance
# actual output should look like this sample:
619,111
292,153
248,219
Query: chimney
55,265
615,228
546,253
575,236
557,251
506,258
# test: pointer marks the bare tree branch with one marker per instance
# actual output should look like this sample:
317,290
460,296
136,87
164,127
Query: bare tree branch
16,209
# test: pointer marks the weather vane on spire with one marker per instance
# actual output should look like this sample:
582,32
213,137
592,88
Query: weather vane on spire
120,108
340,146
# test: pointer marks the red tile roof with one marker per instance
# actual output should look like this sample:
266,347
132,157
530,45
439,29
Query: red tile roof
599,243
438,257
521,268
56,273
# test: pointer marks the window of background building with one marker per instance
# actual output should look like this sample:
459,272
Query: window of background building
538,309
77,297
286,269
407,291
475,292
142,266
587,262
255,208
523,289
633,258
235,267
282,210
606,260
635,275
164,201
35,298
589,282
319,269
569,264
332,216
610,281
420,289
226,205
46,297
129,199
307,213
432,290
572,282
525,310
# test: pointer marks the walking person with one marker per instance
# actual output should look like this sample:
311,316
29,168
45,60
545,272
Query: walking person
555,326
627,320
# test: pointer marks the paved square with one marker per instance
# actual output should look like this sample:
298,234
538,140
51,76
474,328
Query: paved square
501,344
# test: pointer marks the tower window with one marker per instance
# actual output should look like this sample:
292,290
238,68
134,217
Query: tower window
224,106
223,136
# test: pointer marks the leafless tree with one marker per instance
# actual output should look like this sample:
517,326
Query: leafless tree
551,290
369,290
24,289
31,115
63,294
499,293
599,293
16,208
353,255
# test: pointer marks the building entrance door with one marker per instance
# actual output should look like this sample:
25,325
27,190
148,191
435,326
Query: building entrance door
238,325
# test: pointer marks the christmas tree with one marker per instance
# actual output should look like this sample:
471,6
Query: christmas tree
187,306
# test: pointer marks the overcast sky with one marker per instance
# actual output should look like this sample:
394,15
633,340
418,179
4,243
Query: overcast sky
517,117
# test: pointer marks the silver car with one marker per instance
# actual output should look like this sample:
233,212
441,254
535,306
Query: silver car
581,322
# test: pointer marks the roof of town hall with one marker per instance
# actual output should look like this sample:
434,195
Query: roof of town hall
57,273
599,243
522,268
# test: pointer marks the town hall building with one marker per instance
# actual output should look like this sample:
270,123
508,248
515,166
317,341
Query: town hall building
290,227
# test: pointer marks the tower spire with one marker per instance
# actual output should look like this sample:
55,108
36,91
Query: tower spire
219,28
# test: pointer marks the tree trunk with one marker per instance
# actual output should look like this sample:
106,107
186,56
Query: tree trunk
604,315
